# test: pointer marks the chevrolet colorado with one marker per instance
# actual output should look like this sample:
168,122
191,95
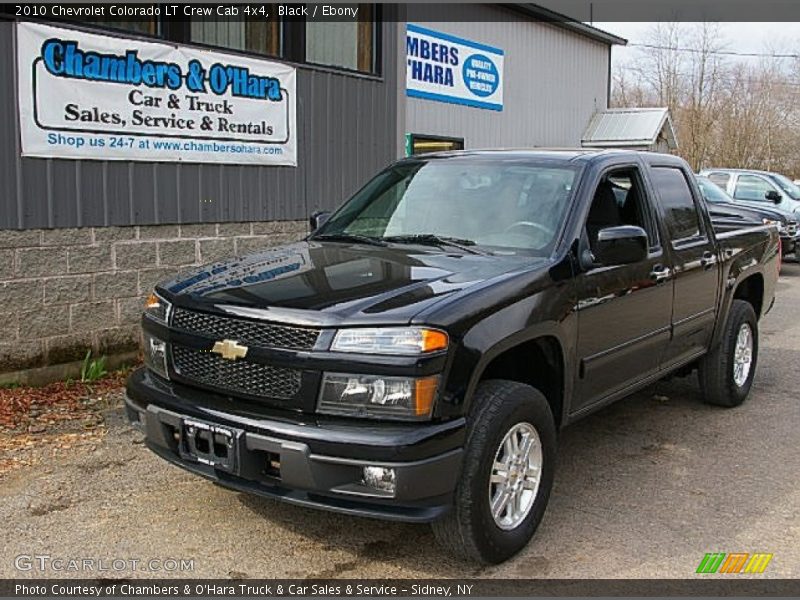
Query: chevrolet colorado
415,356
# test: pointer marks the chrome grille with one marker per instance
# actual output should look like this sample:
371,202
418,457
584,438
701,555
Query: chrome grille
236,376
251,333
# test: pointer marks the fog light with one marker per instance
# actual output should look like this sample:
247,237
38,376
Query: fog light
380,478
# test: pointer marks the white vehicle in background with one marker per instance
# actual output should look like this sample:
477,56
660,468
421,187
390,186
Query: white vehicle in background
757,188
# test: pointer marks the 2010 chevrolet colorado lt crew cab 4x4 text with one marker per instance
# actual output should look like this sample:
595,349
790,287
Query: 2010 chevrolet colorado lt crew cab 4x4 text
415,356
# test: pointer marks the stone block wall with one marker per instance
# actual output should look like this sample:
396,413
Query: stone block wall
64,291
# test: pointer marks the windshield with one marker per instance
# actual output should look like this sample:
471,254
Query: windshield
504,205
786,185
711,191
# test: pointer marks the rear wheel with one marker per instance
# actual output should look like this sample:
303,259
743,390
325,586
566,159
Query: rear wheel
507,474
727,372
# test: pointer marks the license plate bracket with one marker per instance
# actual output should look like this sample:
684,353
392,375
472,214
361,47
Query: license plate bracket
208,443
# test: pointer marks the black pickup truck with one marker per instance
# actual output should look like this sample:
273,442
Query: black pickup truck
414,358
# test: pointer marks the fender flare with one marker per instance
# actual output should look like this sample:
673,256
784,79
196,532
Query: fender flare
549,329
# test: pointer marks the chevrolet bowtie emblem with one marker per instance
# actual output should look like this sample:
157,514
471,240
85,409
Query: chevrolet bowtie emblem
230,349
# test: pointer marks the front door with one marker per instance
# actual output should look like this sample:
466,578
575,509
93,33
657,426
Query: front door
623,311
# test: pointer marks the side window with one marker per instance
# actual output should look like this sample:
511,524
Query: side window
753,188
721,179
681,216
620,200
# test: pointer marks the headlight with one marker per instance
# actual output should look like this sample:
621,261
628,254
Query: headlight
155,355
157,308
390,340
376,397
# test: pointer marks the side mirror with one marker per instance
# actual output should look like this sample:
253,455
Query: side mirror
318,218
773,196
621,245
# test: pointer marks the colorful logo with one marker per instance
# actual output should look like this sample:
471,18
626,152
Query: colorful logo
481,75
733,563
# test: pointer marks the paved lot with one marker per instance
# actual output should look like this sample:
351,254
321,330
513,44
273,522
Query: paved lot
644,489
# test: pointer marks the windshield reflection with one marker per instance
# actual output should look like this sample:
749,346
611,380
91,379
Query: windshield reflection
496,204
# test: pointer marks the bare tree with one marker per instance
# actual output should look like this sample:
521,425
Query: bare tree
727,112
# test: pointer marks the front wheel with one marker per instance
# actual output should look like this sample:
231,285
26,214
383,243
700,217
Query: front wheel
507,474
727,371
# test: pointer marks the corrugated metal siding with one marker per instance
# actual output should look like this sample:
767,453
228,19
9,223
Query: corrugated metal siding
554,81
347,130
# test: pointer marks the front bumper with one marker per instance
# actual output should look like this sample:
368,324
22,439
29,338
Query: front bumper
319,462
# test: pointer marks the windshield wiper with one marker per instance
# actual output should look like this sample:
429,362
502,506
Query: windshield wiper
431,239
349,237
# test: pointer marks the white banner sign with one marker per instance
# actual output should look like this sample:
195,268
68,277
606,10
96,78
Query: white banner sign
446,68
84,95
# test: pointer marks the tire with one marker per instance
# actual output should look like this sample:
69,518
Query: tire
717,372
469,530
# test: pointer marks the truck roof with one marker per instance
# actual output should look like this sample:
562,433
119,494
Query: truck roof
566,154
732,170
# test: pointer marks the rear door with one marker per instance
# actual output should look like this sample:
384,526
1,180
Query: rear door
695,264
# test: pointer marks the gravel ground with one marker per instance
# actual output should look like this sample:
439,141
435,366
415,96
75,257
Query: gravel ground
644,488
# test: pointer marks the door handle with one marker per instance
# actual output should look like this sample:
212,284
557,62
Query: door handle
660,273
708,260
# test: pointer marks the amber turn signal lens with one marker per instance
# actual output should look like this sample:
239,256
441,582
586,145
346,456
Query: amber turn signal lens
433,339
153,301
424,395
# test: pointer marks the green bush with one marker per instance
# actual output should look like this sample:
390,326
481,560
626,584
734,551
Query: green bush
93,368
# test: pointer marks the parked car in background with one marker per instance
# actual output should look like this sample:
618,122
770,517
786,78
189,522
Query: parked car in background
757,188
727,215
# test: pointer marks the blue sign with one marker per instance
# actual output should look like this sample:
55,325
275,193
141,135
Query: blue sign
446,68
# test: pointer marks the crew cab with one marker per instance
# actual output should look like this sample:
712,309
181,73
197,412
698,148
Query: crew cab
416,355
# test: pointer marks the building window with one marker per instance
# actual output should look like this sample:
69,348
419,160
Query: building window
255,36
420,144
352,44
142,27
347,44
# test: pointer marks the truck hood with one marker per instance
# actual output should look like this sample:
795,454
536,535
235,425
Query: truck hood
329,283
763,210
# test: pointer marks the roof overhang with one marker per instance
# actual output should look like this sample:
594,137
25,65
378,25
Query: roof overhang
540,13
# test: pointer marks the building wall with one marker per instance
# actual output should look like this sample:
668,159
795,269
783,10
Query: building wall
554,80
346,132
83,242
64,291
